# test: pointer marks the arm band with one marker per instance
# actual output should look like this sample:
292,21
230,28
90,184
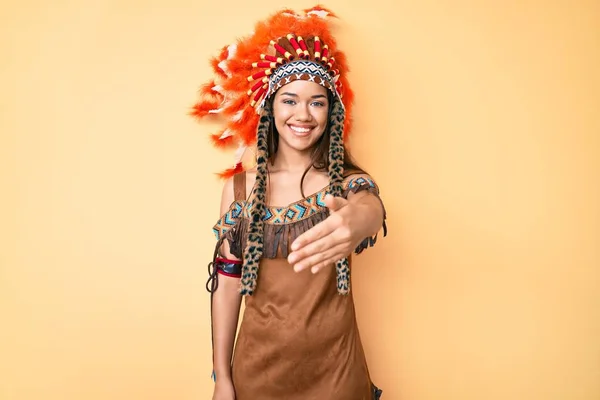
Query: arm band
232,268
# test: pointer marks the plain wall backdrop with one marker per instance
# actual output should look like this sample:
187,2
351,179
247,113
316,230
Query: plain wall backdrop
478,119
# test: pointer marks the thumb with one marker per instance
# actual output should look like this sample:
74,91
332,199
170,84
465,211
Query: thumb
335,203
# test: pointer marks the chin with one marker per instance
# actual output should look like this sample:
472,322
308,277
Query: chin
302,146
303,149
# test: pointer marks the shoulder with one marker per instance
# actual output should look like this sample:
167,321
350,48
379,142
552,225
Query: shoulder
228,191
227,195
250,180
359,179
359,182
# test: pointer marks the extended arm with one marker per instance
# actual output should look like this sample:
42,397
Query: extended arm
350,222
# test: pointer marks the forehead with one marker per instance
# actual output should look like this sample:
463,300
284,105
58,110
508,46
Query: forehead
302,88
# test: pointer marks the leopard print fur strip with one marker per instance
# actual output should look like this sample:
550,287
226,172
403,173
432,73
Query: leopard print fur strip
255,243
336,177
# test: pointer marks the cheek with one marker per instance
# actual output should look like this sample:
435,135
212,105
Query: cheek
281,116
278,120
322,119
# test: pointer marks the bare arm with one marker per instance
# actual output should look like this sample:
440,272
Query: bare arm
368,214
351,220
226,302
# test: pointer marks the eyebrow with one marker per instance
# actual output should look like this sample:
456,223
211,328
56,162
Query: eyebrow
316,96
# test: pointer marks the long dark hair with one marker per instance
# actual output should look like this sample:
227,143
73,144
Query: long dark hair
320,155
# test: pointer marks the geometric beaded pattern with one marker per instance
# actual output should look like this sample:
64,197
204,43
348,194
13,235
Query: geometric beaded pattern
295,212
300,70
228,220
360,181
300,67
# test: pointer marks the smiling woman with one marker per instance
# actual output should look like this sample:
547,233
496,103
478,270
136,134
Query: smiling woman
299,337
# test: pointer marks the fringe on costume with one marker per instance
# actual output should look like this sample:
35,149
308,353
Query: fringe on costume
376,392
279,231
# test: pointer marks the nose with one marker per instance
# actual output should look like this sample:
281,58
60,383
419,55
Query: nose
303,112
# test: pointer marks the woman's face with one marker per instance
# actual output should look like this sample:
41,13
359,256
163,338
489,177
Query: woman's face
300,110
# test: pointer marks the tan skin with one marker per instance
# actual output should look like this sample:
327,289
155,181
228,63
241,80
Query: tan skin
300,111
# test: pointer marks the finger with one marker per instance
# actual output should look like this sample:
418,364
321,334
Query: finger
338,235
327,264
315,233
318,246
322,258
323,240
334,203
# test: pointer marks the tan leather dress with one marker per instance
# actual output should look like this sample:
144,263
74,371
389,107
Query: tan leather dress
298,338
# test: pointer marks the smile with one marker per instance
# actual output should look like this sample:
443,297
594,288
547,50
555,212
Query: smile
299,129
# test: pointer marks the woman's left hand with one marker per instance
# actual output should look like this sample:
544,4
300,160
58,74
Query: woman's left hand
331,240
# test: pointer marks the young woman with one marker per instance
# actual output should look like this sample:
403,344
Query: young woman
288,227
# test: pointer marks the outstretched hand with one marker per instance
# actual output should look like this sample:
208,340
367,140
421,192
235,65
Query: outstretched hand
331,240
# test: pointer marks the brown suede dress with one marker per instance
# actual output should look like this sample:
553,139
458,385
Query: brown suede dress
298,338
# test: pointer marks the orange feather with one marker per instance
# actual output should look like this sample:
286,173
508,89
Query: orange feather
247,132
237,83
249,116
207,88
237,104
225,143
240,66
202,108
228,173
319,7
214,62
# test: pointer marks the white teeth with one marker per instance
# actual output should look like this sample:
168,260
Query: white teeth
299,130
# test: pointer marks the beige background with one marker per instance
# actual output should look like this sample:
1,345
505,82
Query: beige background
479,119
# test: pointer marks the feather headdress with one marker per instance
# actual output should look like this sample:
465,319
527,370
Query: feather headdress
242,71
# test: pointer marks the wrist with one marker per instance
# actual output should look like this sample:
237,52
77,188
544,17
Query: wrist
222,375
224,382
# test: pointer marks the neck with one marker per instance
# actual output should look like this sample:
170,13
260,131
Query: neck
291,161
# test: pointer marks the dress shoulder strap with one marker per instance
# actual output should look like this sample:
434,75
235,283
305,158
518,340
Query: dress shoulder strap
239,186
